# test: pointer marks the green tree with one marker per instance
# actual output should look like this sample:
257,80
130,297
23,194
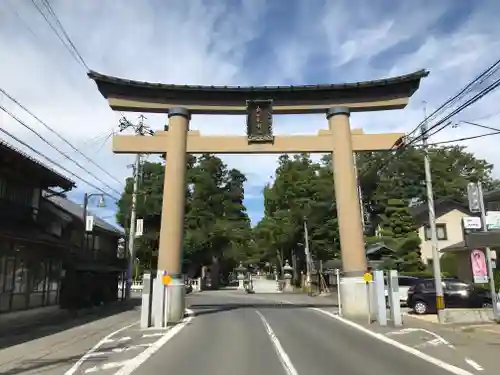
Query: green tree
386,179
302,192
216,226
397,230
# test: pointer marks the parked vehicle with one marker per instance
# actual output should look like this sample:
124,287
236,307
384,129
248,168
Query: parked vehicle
457,294
405,283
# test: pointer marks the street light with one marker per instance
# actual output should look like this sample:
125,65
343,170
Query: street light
86,199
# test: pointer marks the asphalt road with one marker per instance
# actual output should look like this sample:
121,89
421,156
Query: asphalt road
249,334
230,332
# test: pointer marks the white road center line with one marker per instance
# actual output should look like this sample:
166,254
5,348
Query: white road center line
284,359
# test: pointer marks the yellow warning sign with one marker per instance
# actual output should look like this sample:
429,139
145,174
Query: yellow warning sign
368,277
167,279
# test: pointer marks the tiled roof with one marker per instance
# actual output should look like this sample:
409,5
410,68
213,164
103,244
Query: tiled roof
416,76
54,177
77,211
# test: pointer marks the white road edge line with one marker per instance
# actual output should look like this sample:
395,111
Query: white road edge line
134,363
437,362
474,364
75,367
284,359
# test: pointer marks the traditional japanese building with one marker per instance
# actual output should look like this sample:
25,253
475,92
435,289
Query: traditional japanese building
42,260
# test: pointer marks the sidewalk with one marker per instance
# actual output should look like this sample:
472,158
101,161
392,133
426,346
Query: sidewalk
22,326
55,353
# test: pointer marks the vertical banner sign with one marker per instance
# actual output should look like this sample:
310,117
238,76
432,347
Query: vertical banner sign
89,223
479,269
139,227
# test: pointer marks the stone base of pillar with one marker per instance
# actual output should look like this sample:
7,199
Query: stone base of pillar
168,303
354,297
241,285
176,301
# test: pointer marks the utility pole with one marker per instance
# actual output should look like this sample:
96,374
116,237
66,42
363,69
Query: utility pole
141,130
133,213
436,265
308,256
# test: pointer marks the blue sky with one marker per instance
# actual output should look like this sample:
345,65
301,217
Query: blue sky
239,42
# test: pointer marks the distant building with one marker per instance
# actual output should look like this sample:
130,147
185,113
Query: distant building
449,214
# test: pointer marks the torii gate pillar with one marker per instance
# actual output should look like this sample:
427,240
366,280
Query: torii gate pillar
169,292
353,293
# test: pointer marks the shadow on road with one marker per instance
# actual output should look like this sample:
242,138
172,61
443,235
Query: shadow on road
204,309
38,365
14,335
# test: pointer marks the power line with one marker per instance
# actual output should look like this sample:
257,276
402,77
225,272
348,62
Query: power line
51,145
468,88
73,53
404,146
47,5
13,9
55,163
481,126
465,138
57,134
467,104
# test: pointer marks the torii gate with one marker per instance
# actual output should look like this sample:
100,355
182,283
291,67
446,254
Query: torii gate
259,104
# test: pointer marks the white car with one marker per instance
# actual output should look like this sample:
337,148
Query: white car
405,283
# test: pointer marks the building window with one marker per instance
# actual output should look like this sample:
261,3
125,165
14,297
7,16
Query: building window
442,234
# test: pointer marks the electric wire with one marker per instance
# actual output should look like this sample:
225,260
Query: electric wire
465,105
51,11
54,147
21,19
465,138
58,135
61,39
468,88
6,132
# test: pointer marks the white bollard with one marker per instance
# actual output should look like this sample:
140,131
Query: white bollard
394,300
146,301
380,305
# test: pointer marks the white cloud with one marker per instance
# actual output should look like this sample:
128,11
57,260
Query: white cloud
205,42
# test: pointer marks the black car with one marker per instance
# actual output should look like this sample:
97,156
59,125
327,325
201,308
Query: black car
457,294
